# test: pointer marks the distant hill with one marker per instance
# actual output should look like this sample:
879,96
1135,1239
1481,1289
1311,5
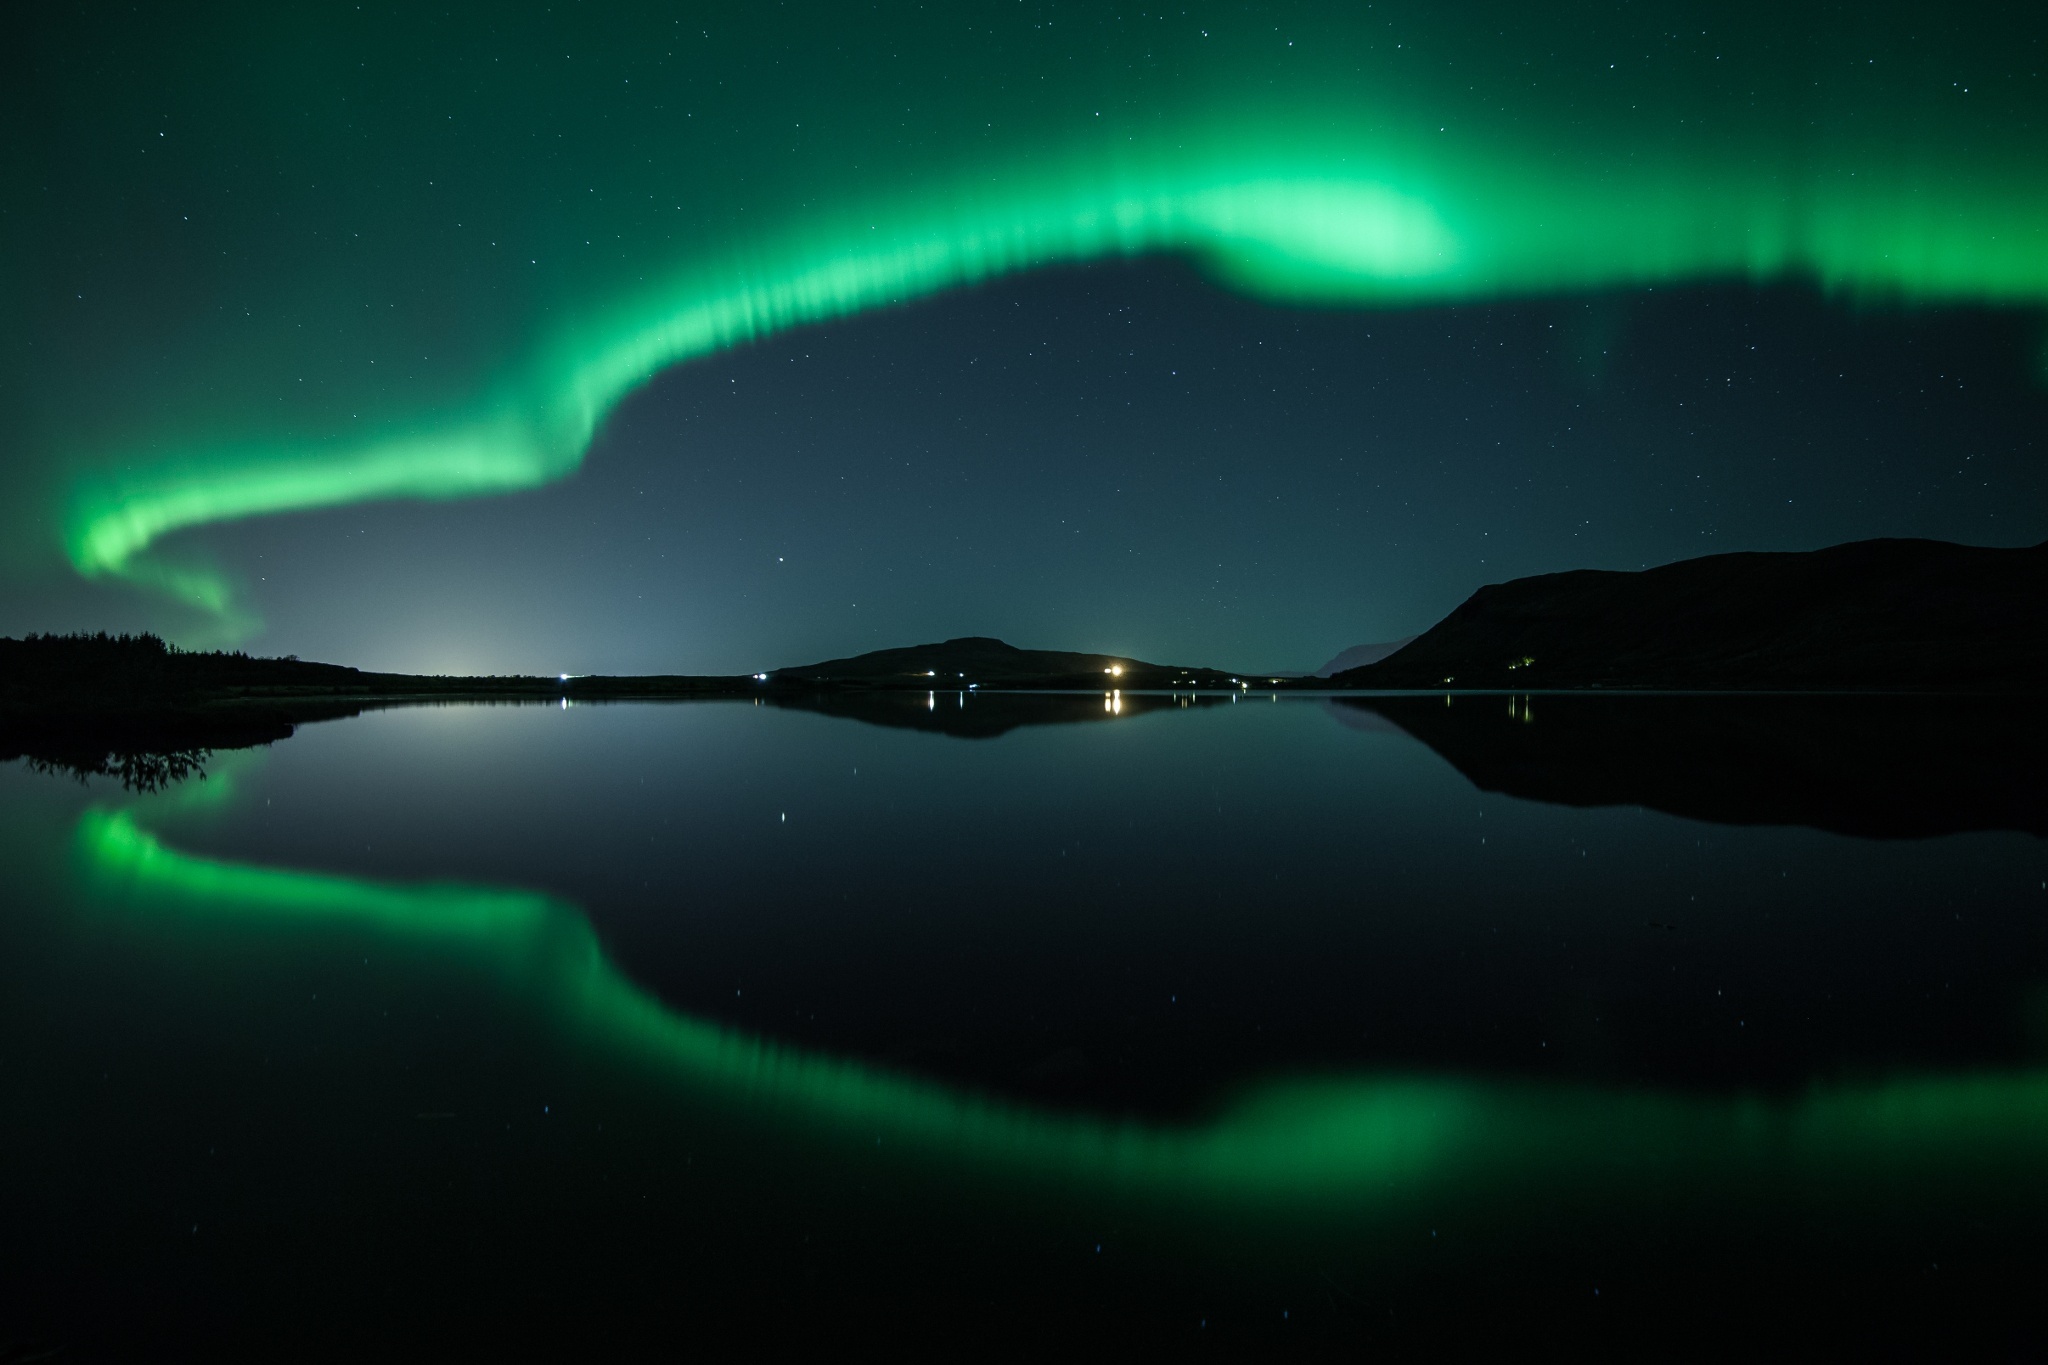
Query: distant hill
1916,615
978,660
1358,656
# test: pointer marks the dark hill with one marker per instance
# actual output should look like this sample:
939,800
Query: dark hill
1915,615
979,660
1358,656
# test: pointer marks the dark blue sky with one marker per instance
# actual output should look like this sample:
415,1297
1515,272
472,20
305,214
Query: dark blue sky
1233,334
1128,458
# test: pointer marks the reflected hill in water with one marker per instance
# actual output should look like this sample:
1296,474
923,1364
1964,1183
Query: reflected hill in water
1897,767
1876,767
1280,940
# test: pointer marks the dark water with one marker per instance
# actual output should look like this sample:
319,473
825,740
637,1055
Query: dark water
1034,1026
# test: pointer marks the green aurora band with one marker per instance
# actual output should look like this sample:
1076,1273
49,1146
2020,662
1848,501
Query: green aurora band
1385,157
1345,1154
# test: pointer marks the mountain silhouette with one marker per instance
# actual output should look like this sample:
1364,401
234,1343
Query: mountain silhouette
979,660
1902,615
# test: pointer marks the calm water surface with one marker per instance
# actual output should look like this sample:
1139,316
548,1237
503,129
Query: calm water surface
1190,1021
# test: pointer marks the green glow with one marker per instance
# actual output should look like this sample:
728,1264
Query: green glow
1350,236
454,319
1322,1151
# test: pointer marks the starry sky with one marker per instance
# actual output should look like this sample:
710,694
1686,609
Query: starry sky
671,338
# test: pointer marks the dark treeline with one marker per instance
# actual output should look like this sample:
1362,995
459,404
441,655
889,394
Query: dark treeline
57,675
116,705
139,709
100,667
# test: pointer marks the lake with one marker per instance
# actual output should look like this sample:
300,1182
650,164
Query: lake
1014,1025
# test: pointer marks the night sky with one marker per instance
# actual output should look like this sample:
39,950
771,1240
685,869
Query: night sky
620,339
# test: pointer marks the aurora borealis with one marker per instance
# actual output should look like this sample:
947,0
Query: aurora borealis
264,264
630,990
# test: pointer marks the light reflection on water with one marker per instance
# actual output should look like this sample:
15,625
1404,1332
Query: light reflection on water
1606,1153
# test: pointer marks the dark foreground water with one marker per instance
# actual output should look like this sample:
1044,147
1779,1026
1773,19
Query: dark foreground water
1036,1027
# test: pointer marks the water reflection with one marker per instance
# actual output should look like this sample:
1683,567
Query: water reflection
143,772
1879,767
981,715
1217,906
1321,1151
146,752
1167,1023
